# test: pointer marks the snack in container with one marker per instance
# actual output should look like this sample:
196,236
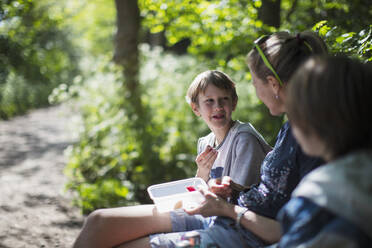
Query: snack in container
177,194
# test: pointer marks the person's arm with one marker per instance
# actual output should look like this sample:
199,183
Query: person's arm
247,156
265,228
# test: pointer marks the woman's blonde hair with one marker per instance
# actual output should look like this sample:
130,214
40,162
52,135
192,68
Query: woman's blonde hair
285,53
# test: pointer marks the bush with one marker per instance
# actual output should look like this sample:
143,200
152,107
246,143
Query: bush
354,44
18,96
112,164
36,55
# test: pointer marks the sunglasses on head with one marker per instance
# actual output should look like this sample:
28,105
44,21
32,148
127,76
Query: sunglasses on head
264,58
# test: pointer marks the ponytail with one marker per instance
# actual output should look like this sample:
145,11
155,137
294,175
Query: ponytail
285,52
316,43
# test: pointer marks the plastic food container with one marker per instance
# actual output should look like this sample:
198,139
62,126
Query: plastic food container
177,194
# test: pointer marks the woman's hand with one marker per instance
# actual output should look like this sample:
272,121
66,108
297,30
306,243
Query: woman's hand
205,162
221,187
212,206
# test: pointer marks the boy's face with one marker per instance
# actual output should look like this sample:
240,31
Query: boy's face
215,106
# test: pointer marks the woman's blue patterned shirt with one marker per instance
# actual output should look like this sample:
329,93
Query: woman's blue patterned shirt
281,171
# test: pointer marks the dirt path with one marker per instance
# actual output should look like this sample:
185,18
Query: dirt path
34,209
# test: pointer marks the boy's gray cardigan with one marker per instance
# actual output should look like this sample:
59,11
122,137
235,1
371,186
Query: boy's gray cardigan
246,153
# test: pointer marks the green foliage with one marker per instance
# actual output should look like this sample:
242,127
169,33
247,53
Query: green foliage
217,29
93,23
18,96
351,15
354,44
111,165
35,56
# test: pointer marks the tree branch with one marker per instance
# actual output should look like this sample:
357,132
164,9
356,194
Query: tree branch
292,10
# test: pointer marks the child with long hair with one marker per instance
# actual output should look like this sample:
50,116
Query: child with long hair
329,106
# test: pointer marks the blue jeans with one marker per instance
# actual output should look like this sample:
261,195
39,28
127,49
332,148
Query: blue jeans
220,231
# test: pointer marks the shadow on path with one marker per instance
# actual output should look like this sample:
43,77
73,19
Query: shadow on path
35,211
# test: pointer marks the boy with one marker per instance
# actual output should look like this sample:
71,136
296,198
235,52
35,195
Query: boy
232,149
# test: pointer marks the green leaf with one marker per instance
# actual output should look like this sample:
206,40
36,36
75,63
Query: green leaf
318,25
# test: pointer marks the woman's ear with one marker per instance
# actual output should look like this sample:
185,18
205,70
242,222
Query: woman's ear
195,108
274,84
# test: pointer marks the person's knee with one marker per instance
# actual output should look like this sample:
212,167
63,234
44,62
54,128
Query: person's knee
96,219
91,229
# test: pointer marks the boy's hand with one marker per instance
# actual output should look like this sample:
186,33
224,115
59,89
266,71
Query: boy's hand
205,162
221,187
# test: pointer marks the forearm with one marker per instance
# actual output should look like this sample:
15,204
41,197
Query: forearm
265,228
203,174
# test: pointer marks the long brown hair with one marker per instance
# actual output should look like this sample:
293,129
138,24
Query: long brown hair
331,97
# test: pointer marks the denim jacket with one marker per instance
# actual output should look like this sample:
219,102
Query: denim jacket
332,206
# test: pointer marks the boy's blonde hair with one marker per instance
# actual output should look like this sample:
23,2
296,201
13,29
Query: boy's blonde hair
217,78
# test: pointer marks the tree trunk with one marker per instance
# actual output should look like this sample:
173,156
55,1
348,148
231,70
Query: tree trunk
269,13
126,50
